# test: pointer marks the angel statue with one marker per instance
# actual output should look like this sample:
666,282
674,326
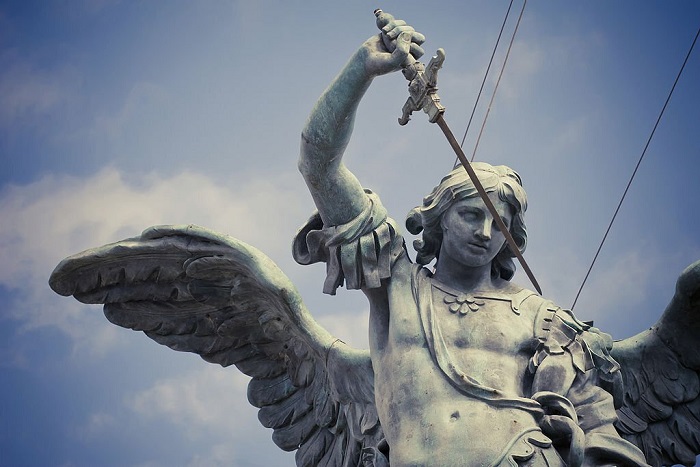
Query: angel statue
464,367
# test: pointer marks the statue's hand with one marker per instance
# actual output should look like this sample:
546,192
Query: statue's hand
397,45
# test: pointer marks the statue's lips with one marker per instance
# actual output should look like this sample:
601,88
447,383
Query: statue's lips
477,246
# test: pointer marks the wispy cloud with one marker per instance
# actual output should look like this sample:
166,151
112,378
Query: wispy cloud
210,407
29,92
57,216
524,63
96,425
350,327
630,272
207,399
143,98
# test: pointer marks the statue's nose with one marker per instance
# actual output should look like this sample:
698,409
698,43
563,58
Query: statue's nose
485,230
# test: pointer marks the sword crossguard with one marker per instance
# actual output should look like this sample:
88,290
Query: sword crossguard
422,89
422,80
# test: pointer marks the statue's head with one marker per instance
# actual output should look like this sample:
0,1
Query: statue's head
456,186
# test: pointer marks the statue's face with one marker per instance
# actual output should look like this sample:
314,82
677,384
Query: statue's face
470,234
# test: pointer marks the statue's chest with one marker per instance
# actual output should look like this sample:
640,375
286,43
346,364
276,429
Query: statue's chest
488,322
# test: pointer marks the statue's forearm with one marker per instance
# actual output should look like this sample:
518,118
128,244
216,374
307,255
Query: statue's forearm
329,126
337,193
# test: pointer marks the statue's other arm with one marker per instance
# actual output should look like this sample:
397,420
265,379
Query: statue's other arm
337,193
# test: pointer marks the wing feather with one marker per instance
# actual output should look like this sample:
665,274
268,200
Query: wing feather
306,456
286,412
661,373
293,435
194,290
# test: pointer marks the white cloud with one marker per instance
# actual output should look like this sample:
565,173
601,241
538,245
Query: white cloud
219,455
206,399
351,327
60,215
56,216
96,424
210,407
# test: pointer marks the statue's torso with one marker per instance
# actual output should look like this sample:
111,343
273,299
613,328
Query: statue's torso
426,419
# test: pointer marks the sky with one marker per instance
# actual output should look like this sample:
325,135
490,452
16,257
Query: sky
115,116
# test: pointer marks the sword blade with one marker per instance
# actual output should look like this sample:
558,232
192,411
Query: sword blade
484,196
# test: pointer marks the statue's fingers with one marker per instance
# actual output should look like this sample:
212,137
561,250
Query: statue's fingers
388,43
418,38
416,50
395,31
393,23
403,48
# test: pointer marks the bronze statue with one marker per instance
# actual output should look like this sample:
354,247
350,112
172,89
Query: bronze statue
464,367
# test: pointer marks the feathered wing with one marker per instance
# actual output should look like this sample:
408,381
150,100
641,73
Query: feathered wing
661,374
198,291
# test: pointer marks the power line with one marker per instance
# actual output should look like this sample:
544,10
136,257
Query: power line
498,81
488,68
646,146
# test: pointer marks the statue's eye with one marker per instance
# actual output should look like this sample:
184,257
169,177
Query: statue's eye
468,214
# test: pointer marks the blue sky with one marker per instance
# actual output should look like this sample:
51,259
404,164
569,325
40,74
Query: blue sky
115,116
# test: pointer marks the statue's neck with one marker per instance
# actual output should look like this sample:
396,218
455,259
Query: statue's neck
465,278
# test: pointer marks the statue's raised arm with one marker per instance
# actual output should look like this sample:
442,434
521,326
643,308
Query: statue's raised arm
338,195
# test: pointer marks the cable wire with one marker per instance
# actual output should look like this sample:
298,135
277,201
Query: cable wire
498,81
488,68
646,146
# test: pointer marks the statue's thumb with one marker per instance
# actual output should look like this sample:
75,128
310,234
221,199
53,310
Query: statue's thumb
403,47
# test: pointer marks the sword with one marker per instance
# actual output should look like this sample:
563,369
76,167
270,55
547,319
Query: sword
422,94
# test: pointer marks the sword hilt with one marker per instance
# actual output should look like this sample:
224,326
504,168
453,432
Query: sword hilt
422,80
422,94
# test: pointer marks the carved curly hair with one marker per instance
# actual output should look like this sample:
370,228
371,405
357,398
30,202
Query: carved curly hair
455,186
